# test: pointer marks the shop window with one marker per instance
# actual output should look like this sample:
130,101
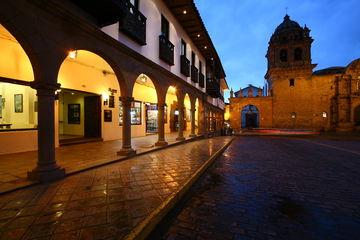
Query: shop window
292,82
135,113
283,55
18,107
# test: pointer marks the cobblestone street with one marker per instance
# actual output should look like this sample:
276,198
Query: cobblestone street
106,202
274,188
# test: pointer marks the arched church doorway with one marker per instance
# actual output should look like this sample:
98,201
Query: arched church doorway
250,117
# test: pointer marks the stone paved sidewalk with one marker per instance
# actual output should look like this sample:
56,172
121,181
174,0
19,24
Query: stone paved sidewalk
106,202
14,167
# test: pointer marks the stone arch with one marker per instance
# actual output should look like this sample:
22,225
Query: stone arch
250,116
25,67
108,58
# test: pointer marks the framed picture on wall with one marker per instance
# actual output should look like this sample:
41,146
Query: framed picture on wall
107,116
18,103
74,113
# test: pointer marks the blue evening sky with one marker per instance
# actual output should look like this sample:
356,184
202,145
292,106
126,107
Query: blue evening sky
241,29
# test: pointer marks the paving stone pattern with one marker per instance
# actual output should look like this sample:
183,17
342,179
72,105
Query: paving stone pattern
106,202
275,188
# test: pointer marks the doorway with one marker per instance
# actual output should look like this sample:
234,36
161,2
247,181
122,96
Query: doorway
250,117
79,117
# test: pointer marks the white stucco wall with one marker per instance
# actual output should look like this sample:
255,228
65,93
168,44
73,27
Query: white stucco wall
152,10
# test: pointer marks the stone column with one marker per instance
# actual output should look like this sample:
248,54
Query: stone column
161,125
181,121
193,111
126,149
47,168
201,118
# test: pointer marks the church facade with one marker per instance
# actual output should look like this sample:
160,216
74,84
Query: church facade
295,96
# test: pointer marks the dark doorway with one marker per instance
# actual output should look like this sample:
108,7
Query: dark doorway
250,117
357,116
92,116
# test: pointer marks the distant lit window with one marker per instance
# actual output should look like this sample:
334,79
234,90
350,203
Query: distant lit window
324,114
293,115
283,55
292,82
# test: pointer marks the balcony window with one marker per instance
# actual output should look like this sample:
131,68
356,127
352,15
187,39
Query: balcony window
165,27
184,66
132,22
201,80
166,50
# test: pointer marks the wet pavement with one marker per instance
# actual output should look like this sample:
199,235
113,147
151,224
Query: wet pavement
273,188
74,158
106,202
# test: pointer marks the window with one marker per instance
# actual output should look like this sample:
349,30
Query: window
193,58
200,67
283,55
164,27
135,113
183,48
298,54
292,82
18,107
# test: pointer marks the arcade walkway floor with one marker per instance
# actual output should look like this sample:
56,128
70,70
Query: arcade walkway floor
14,167
106,202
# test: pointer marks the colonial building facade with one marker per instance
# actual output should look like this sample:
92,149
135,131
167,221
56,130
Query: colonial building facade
77,70
295,95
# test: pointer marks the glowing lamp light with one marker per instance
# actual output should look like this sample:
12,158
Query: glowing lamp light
176,112
324,114
198,35
205,47
72,54
105,97
184,12
143,78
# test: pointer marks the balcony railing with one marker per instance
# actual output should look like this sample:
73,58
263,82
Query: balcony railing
166,50
201,80
194,74
184,65
133,23
213,87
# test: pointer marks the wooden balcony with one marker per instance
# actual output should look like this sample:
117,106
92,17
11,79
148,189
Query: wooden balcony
133,23
213,87
184,66
166,50
194,74
201,80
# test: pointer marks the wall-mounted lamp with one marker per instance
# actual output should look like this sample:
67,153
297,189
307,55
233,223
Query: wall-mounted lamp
185,12
143,78
72,54
105,97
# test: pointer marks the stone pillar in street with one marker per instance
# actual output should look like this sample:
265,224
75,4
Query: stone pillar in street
181,118
161,125
126,149
193,111
47,168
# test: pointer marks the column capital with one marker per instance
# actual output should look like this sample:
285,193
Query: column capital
45,89
126,99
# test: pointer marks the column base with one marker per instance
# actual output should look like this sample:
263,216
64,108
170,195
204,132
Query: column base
161,143
192,135
180,139
46,175
127,152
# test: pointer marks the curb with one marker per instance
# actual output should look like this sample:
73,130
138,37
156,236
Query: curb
199,137
141,231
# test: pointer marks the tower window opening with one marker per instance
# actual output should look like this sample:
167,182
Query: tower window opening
292,82
298,54
283,55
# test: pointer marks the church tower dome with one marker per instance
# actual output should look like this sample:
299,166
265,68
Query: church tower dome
289,47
